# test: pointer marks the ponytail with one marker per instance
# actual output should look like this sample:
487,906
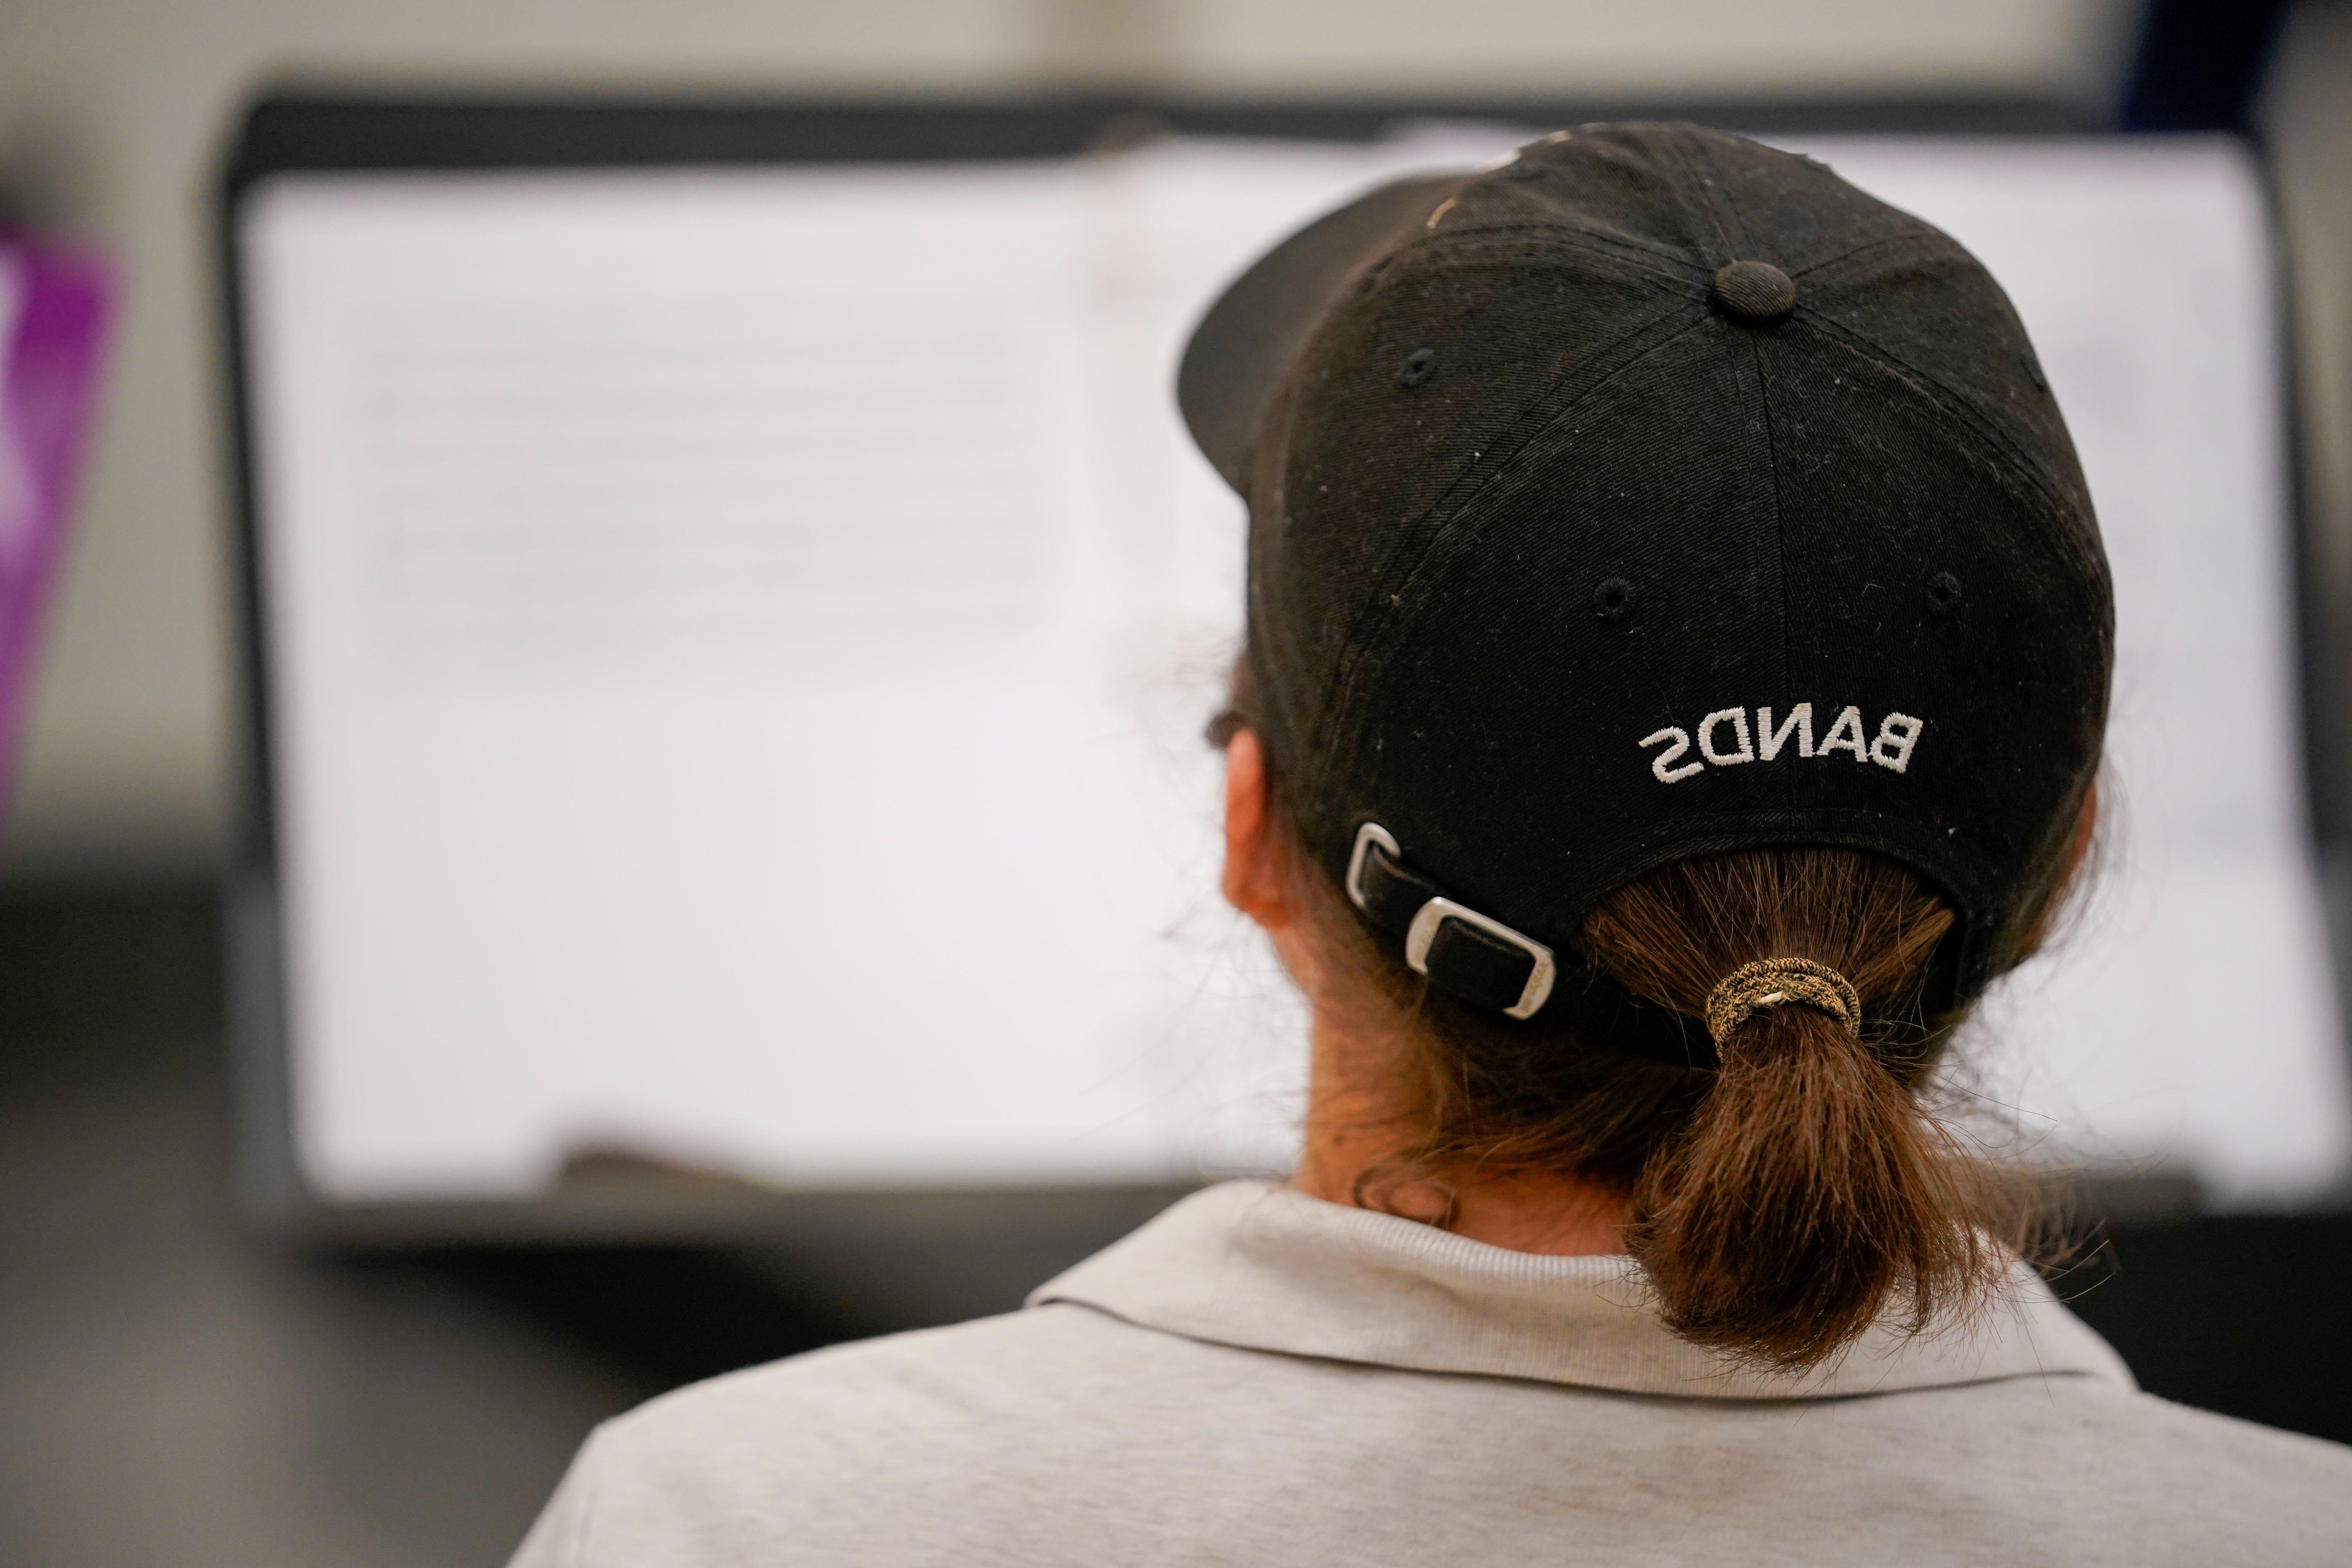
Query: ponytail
1809,1193
1807,1196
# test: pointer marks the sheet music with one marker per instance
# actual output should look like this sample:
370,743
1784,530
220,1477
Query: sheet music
568,479
742,641
693,696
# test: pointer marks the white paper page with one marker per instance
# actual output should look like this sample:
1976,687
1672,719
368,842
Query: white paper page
2190,1020
700,705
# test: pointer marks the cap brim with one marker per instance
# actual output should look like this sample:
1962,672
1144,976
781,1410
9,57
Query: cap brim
1241,348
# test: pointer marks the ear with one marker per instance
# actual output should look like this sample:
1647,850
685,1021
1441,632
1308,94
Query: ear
1253,879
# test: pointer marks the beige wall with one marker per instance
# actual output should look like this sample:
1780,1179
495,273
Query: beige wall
112,113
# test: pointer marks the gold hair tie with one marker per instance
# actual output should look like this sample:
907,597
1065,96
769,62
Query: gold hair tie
1775,981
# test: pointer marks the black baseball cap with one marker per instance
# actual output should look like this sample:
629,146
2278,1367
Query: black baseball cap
1656,493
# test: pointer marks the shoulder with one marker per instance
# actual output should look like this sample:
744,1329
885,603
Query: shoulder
2150,1428
2092,1461
1023,1367
2221,1450
863,1448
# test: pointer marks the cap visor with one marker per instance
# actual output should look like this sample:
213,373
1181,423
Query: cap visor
1241,348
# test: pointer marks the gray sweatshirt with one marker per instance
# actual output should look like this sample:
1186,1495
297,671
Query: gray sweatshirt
1257,1377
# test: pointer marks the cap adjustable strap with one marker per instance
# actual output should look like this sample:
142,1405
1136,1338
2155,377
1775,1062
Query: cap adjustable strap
1479,959
1474,956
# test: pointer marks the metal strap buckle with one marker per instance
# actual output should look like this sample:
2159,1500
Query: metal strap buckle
1366,836
1423,933
1434,913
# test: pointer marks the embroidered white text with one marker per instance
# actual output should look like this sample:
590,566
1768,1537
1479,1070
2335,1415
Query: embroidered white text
1727,739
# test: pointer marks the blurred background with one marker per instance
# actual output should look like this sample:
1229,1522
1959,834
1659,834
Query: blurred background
199,1363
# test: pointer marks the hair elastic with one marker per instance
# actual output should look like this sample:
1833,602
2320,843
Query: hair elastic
1775,981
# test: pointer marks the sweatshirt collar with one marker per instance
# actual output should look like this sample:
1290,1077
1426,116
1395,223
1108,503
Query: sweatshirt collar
1261,1265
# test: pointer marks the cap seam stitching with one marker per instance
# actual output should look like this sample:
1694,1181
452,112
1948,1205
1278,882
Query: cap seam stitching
1487,250
1443,540
1628,251
1780,506
1504,462
1879,244
1681,156
1726,206
1960,403
1952,400
1394,582
1723,203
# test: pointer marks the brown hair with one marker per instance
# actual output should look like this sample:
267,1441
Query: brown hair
1781,1203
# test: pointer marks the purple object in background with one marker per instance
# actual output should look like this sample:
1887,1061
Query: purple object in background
54,306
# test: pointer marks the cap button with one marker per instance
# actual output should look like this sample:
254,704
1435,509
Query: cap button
1753,291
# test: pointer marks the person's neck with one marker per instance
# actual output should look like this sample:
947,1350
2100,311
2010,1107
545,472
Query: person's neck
1351,1129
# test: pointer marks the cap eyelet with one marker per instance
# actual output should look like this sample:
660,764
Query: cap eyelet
1613,600
1417,368
1943,593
